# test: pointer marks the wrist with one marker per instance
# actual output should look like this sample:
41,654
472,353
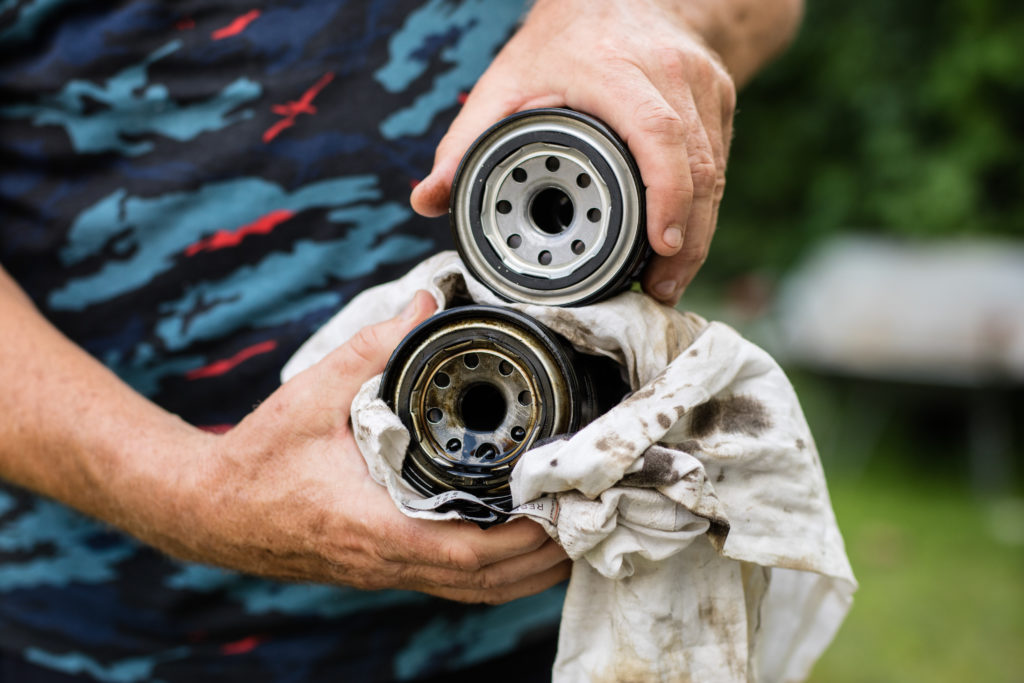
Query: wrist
741,34
156,484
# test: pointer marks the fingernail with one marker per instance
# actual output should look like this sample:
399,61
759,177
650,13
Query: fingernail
673,237
665,288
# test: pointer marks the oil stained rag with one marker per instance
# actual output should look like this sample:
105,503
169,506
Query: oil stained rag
696,511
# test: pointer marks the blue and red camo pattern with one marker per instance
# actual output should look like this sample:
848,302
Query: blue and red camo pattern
188,190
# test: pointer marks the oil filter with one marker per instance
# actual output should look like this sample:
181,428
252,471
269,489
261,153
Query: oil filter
547,208
477,386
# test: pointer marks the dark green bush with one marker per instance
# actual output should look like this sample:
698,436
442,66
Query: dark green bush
903,117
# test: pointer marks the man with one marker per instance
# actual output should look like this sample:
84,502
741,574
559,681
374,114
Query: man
188,191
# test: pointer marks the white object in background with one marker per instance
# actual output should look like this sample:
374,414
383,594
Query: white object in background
946,312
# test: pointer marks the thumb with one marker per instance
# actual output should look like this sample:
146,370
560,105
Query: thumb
366,353
485,105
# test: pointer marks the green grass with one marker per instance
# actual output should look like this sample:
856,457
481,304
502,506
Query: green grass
941,597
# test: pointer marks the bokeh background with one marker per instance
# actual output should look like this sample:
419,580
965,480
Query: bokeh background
872,237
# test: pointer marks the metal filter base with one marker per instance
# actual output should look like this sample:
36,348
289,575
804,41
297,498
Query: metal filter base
547,208
477,386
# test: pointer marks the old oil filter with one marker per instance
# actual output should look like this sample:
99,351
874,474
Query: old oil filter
477,386
547,207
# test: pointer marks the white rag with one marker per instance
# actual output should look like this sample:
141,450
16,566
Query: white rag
696,511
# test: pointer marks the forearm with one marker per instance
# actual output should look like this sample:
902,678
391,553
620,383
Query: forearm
744,33
71,430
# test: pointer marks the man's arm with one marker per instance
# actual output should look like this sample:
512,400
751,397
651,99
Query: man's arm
745,34
662,74
284,494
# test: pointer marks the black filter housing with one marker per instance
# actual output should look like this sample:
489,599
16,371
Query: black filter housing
477,386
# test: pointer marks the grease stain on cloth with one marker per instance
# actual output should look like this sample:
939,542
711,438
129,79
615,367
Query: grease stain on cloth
658,470
735,414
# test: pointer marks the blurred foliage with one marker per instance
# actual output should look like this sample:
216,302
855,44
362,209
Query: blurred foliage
905,118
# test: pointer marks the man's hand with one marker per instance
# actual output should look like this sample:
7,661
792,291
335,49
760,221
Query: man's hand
289,496
647,69
284,494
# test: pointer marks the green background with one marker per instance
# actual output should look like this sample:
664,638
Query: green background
903,118
898,116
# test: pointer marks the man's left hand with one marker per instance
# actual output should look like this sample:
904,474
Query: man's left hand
645,72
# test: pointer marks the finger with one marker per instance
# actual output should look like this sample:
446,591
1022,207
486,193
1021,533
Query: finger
366,354
521,589
493,577
656,135
666,277
489,101
461,545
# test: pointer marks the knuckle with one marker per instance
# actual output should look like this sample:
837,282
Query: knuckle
693,255
461,556
727,91
658,119
707,69
719,186
671,62
704,174
490,580
608,51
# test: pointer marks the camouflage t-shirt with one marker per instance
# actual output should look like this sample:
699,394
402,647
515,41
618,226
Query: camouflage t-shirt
188,190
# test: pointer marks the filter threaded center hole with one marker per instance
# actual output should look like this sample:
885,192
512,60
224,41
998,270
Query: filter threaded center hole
552,211
482,407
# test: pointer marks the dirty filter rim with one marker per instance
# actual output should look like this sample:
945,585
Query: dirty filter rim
434,470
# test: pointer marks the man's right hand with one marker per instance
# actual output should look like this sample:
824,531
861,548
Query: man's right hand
284,494
288,495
